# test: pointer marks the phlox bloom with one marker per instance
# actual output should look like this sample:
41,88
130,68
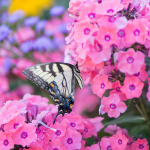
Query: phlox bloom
109,7
132,87
75,122
106,36
142,74
136,31
25,135
112,129
83,31
14,124
100,84
130,61
56,145
94,147
140,144
60,130
119,141
113,105
117,86
105,144
6,141
71,140
89,129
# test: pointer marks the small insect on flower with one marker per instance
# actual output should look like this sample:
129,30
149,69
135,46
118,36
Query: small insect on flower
58,79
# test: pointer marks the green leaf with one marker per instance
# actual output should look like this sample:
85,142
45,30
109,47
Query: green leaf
133,119
147,61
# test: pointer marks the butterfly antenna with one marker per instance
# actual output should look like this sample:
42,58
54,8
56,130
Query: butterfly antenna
71,57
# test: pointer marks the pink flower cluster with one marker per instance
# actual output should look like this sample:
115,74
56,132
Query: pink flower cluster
110,40
28,123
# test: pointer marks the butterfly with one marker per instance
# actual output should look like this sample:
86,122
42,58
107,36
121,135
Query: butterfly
59,79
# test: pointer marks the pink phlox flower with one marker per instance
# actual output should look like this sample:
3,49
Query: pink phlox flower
106,70
132,87
8,114
83,31
142,74
40,133
109,7
89,129
119,141
130,61
73,121
113,105
14,124
140,144
97,122
55,144
106,36
112,129
24,34
4,84
105,144
60,130
100,84
20,106
71,140
93,147
25,135
99,53
6,142
108,21
136,31
33,148
35,99
81,103
117,86
87,11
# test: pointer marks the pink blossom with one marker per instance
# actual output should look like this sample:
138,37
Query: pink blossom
97,122
71,140
140,144
14,124
112,129
6,141
24,34
94,147
109,7
113,105
60,130
83,31
100,84
117,86
106,144
25,135
4,86
89,129
75,122
56,145
136,31
132,87
119,141
130,61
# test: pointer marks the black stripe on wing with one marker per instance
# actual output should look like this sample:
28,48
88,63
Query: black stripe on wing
36,79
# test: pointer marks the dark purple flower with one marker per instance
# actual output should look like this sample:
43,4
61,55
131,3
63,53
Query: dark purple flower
31,21
40,25
4,32
57,10
43,43
26,46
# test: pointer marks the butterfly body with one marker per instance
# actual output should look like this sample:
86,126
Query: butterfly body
58,78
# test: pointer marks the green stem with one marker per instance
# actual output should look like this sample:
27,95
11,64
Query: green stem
144,111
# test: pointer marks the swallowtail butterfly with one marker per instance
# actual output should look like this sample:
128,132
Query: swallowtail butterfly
58,78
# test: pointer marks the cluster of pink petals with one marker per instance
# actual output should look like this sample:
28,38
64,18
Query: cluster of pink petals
29,123
110,40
